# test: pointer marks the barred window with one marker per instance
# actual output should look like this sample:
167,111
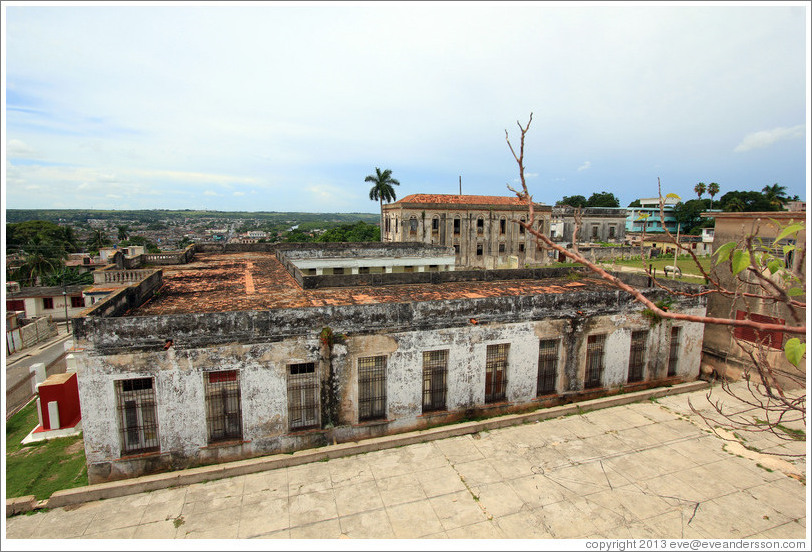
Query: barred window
435,224
496,358
548,366
303,396
77,302
595,345
223,408
479,250
673,351
138,421
47,303
435,369
637,355
501,248
371,388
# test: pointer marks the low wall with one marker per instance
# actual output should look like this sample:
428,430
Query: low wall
37,331
122,300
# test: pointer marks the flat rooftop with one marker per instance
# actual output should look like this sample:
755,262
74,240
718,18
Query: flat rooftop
256,281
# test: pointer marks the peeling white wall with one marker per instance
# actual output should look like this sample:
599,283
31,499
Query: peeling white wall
179,376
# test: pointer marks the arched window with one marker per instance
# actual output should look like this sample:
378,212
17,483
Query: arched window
413,226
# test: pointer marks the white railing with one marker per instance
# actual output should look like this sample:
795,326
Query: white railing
120,276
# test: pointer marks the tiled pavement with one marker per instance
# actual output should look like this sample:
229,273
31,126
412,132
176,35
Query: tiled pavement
649,469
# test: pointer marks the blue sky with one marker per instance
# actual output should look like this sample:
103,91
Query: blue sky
287,107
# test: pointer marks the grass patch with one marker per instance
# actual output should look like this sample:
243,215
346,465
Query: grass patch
42,468
764,467
795,434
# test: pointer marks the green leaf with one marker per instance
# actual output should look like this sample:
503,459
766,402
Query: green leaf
774,265
791,229
794,350
724,251
788,248
795,292
741,260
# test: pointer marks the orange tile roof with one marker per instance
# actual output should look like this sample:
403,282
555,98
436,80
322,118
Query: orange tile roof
258,281
461,199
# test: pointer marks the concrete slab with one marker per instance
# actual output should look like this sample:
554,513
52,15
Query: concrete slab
534,480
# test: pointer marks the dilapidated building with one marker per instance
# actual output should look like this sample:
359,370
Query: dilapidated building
483,230
239,353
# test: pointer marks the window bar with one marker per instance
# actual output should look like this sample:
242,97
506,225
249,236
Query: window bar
495,368
371,388
136,407
637,354
594,360
548,366
435,365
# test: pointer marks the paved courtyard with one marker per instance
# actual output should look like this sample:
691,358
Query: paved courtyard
649,469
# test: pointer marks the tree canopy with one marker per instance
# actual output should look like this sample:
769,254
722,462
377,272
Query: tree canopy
572,201
603,199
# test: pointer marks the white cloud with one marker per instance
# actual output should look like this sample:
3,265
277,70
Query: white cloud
766,138
18,148
210,193
238,194
585,166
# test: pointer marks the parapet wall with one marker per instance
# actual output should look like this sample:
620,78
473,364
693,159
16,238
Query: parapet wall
111,334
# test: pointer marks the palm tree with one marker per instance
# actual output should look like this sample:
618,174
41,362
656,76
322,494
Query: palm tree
122,233
97,240
382,189
735,204
700,189
776,194
713,189
36,265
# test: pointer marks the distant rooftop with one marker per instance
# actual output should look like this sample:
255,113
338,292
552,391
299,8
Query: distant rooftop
255,281
461,199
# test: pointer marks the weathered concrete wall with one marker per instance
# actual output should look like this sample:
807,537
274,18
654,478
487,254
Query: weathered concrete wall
178,377
489,235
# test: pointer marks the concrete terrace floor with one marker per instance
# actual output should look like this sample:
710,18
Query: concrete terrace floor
650,469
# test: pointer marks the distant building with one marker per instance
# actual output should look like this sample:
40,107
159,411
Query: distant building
483,230
647,216
796,206
598,224
46,301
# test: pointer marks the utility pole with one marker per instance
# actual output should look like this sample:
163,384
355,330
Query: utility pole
460,184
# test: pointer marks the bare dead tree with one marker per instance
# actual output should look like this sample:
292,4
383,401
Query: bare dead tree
756,282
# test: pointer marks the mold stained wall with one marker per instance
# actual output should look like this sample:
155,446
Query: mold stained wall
263,376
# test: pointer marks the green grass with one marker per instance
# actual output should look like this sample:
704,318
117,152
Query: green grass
41,468
686,264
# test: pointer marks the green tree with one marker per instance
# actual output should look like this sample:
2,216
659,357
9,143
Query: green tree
713,189
358,232
688,215
572,201
37,264
747,201
68,277
98,239
700,189
602,199
635,203
123,233
775,194
382,189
